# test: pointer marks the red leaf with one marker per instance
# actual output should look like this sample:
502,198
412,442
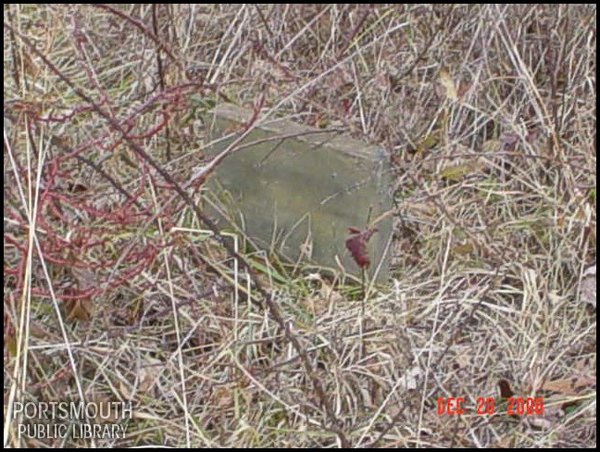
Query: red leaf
357,245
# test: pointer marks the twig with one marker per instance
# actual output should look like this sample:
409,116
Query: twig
269,299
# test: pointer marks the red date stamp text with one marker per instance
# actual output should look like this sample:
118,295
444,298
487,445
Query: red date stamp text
512,406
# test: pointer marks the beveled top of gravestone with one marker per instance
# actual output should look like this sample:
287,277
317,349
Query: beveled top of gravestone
296,190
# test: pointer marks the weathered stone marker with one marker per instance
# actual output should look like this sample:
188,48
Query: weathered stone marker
296,190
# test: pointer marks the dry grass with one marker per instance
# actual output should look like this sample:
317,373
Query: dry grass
488,114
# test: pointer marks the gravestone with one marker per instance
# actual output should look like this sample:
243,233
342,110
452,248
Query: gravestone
295,190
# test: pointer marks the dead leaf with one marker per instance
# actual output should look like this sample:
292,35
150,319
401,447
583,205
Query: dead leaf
223,397
448,84
569,386
427,143
357,245
456,173
463,360
505,391
539,422
491,146
463,250
588,286
11,346
148,374
81,309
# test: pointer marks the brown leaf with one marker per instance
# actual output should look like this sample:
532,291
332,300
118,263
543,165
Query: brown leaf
81,310
571,385
505,391
357,245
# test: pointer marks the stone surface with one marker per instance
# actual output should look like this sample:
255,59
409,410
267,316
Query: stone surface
297,190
